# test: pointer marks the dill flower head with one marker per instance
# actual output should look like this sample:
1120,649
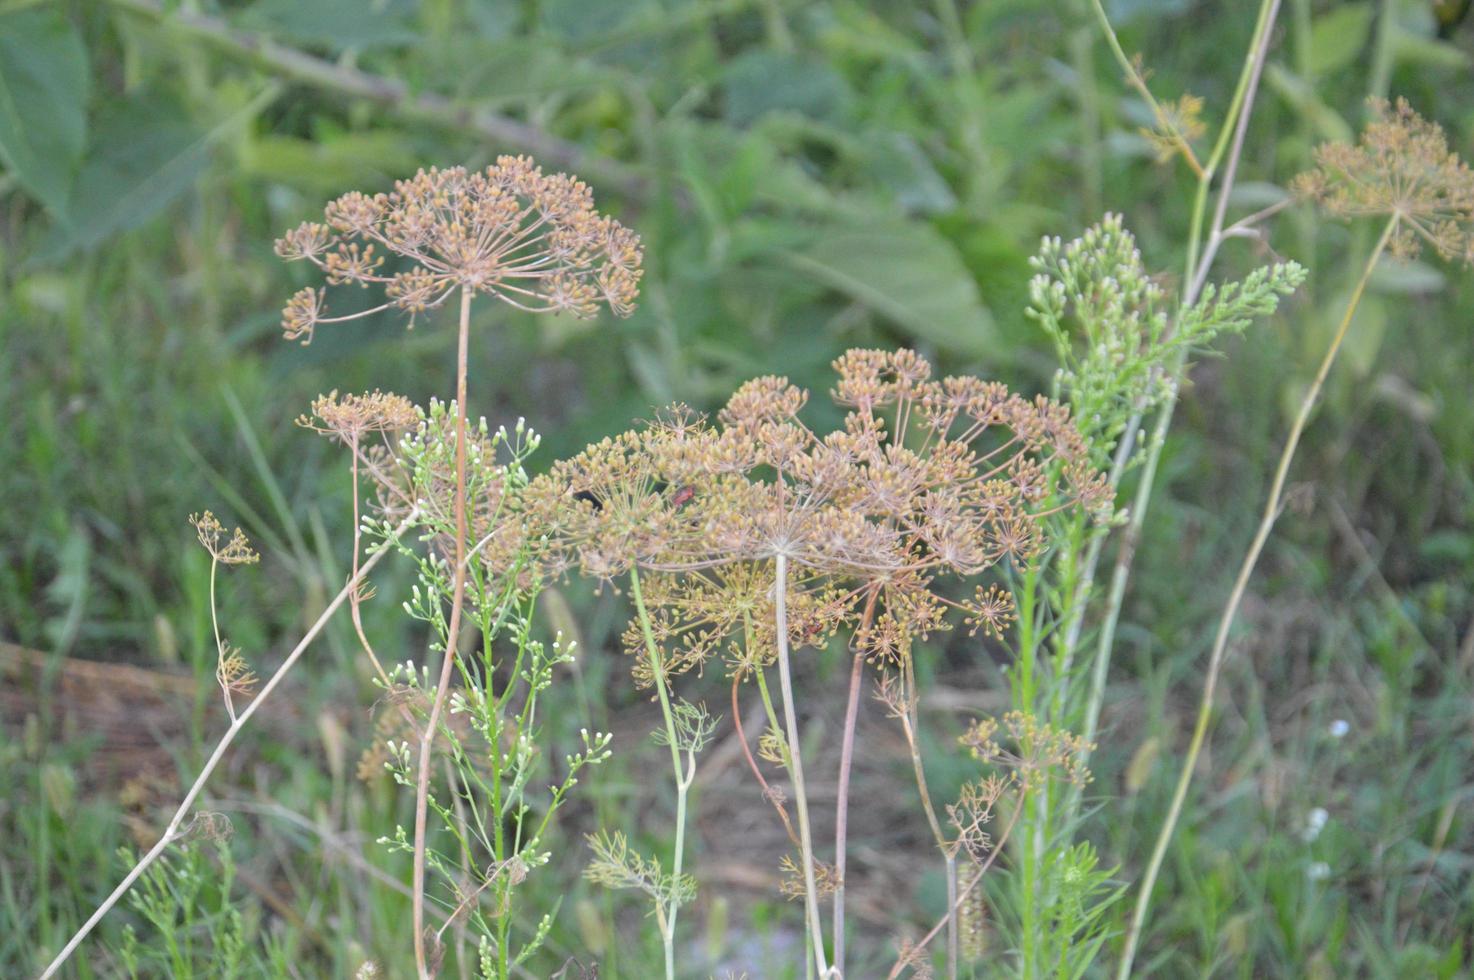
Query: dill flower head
1401,168
925,480
529,239
348,417
232,550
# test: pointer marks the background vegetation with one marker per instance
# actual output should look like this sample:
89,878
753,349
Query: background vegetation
807,177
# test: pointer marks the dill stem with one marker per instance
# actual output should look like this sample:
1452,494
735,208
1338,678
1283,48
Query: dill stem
1228,146
219,646
171,831
1271,513
752,762
666,916
355,601
842,796
909,725
796,766
442,689
951,913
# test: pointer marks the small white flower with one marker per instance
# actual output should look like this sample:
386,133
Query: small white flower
1315,822
1319,871
1339,728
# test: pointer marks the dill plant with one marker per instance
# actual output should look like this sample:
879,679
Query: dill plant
1402,172
534,242
526,239
755,537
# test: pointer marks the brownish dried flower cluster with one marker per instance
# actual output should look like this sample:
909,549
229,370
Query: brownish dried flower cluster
235,550
1028,750
529,239
349,417
925,478
1401,168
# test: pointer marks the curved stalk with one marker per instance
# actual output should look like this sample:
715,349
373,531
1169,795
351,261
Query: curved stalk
172,832
1200,257
442,690
685,775
1230,610
842,796
801,801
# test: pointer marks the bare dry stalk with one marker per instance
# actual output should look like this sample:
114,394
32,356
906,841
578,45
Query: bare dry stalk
458,595
796,765
1230,610
172,831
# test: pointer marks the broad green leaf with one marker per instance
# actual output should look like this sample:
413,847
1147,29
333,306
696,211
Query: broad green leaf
145,155
1414,276
341,25
1430,52
1364,338
907,272
329,164
43,103
759,82
1339,35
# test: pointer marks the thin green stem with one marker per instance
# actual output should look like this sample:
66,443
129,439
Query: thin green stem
457,601
172,831
1228,143
795,758
684,775
1230,610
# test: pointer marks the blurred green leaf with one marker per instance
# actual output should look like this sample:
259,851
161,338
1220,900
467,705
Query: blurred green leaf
145,155
1415,49
759,82
329,164
1364,339
908,272
1338,36
1416,277
1301,96
341,25
44,80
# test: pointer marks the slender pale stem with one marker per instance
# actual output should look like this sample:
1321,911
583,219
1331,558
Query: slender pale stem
796,765
1230,610
219,644
172,831
1229,145
842,800
457,601
909,724
666,915
961,896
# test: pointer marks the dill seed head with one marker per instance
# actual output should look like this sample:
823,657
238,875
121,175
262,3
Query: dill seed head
1401,168
530,239
1027,751
925,480
235,550
234,675
348,417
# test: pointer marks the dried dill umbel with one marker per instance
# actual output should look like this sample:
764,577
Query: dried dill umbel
531,240
1401,168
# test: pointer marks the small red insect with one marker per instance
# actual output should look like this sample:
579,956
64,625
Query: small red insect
683,496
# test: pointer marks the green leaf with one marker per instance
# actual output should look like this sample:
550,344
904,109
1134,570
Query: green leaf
1339,35
1412,276
907,272
1364,338
1428,52
44,80
341,25
760,82
145,155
